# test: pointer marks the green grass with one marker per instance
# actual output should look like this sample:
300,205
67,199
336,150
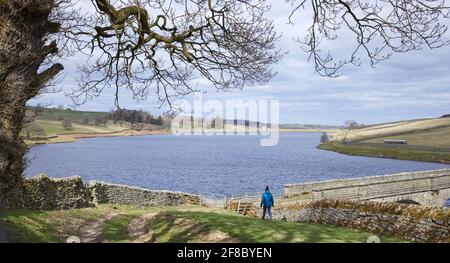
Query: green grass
45,226
72,115
427,141
387,152
173,224
50,120
116,229
55,128
253,230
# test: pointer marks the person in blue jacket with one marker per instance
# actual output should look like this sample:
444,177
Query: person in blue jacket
267,203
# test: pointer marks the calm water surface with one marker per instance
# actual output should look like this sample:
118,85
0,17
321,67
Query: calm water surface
207,164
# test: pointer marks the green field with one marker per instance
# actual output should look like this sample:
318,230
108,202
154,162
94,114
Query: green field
172,224
72,115
381,151
47,126
50,120
56,128
428,140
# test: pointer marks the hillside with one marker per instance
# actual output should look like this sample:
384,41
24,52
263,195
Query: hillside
72,115
427,140
47,126
382,131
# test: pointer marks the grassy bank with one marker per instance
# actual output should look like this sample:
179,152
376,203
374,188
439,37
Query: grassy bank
48,127
171,224
427,140
388,152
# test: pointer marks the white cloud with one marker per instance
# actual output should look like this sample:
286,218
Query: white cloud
410,85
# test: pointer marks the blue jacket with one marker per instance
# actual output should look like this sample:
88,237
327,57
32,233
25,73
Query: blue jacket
267,199
447,203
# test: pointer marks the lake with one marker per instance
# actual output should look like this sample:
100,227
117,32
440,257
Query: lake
208,164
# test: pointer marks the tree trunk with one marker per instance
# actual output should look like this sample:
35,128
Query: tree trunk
24,26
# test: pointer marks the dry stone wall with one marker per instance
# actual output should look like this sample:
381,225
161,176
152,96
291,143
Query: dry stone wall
412,222
44,193
122,194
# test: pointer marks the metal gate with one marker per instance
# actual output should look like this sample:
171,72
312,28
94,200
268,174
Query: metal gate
213,200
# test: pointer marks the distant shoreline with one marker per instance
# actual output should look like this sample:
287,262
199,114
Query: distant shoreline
330,131
74,137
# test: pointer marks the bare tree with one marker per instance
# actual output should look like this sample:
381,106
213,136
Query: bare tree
351,124
380,28
162,45
101,121
324,138
32,130
24,70
67,125
86,119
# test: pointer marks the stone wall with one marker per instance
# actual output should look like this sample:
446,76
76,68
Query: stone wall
121,194
427,188
412,222
44,193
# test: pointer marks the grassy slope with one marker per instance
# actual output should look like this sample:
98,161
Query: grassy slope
428,140
50,121
55,128
72,115
399,128
186,224
385,152
436,137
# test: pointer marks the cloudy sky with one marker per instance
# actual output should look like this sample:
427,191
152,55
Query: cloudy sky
407,86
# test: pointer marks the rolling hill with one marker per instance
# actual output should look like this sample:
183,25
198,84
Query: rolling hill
427,140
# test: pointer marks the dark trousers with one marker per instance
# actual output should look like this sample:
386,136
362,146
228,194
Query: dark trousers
267,208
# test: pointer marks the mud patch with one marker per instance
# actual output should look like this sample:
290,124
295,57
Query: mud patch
138,230
92,230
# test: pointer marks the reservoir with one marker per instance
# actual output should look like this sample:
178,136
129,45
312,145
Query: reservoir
226,165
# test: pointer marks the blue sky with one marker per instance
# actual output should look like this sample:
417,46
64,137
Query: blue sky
407,86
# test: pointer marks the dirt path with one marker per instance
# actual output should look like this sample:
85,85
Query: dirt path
138,229
92,231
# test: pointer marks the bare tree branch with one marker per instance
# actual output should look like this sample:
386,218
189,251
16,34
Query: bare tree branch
168,45
380,28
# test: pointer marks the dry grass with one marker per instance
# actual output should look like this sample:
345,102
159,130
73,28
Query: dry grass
439,137
393,129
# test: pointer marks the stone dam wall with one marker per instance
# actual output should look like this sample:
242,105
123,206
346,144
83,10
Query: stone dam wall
412,222
429,188
44,193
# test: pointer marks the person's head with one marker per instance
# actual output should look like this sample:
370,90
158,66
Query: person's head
267,188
